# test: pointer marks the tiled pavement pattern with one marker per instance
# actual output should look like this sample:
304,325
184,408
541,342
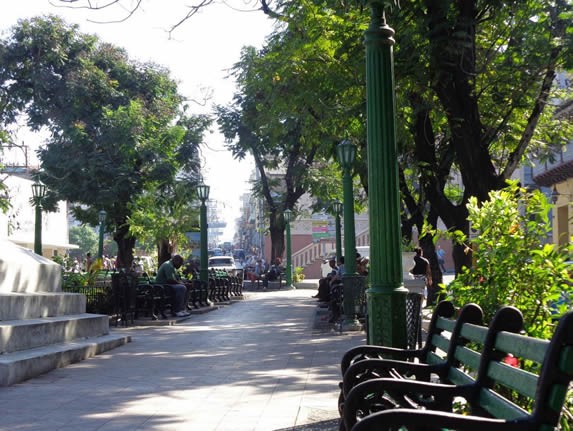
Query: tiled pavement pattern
267,363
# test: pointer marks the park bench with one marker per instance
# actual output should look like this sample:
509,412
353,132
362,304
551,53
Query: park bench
434,359
497,395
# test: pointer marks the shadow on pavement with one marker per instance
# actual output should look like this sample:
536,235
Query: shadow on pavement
328,425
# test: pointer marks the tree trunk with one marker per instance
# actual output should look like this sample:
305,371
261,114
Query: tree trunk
277,232
125,244
164,250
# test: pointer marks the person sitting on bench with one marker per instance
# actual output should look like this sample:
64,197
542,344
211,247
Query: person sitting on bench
167,274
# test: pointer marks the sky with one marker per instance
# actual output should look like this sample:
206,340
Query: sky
198,54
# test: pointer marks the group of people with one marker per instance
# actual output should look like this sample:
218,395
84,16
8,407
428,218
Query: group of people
261,271
421,269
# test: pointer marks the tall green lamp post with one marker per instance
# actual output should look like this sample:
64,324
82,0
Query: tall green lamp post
287,214
337,208
38,194
386,296
102,216
203,195
351,282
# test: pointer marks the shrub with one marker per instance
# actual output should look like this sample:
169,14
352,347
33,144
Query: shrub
511,263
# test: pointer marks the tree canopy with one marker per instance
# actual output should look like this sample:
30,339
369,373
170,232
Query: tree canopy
117,128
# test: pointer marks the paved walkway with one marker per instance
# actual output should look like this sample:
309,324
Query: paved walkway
262,364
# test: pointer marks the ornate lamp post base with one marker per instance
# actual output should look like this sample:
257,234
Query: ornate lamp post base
353,288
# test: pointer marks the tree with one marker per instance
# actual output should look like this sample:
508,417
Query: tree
475,86
112,121
85,237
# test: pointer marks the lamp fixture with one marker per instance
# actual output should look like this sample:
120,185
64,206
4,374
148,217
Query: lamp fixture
346,154
203,192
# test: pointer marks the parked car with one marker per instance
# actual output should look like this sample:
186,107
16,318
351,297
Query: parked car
226,263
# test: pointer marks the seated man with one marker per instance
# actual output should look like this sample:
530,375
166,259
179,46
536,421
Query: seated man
324,283
167,274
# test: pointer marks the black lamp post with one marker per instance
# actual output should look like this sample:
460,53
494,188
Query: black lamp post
287,214
352,283
203,194
38,194
102,216
338,207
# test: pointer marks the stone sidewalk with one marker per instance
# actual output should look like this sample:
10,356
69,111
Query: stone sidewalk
266,364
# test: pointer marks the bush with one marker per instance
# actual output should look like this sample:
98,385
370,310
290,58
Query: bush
298,275
511,263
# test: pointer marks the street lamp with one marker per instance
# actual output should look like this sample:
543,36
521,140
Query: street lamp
38,194
351,282
287,214
386,296
338,207
203,194
101,215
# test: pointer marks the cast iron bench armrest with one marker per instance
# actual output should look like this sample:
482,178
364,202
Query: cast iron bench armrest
393,419
444,310
387,368
373,395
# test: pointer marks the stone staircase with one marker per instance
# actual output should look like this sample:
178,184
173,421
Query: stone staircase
42,328
317,251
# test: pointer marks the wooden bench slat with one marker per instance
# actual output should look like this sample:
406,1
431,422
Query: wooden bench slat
474,332
433,359
499,406
517,379
522,346
458,377
441,343
445,324
469,357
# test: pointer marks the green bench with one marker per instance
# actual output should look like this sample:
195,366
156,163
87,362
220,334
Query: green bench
487,384
433,359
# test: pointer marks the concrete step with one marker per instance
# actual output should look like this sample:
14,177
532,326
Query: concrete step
16,305
19,366
310,283
16,335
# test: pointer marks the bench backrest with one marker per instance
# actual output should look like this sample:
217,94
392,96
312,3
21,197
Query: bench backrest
543,385
446,336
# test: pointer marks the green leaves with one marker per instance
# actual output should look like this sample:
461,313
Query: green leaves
512,263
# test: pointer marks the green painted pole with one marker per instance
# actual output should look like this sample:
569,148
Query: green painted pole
288,256
386,295
38,229
351,282
338,237
349,228
100,242
204,258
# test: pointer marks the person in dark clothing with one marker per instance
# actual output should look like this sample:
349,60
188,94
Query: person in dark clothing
421,269
324,283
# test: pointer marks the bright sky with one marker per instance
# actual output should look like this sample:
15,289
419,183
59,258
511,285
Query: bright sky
198,55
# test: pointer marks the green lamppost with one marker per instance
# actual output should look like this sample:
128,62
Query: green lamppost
102,215
351,282
38,194
288,217
386,296
337,208
203,194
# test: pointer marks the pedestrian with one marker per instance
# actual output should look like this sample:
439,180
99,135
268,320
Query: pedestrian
88,262
441,255
421,269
